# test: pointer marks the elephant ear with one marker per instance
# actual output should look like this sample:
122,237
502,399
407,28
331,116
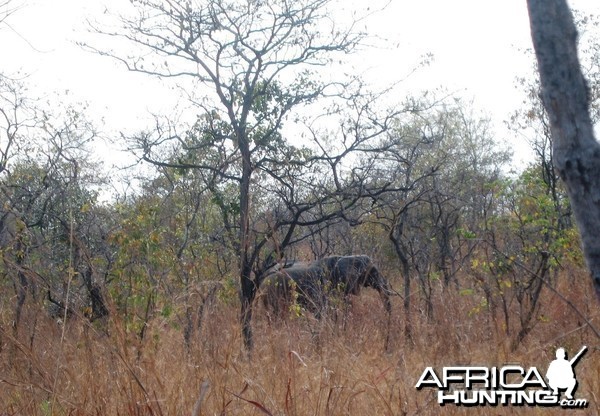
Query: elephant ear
361,266
365,263
330,265
372,275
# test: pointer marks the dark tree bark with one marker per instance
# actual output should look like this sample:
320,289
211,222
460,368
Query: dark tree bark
395,236
565,96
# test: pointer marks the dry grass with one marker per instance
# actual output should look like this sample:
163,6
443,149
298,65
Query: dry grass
298,367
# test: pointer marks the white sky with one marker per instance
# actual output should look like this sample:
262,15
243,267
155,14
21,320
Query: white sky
477,47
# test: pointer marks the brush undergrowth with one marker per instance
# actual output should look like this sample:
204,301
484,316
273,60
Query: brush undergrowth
299,366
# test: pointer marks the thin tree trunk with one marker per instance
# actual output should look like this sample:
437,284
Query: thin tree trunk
247,284
406,275
565,96
21,287
247,297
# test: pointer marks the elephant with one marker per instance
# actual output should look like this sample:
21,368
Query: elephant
313,283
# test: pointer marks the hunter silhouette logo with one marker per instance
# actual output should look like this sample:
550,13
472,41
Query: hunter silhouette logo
560,373
509,385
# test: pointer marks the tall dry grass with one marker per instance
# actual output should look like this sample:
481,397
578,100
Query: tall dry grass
299,366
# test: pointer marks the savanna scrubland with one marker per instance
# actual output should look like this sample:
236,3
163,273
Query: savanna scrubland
146,302
298,366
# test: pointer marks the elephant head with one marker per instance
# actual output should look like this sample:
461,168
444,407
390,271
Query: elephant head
354,272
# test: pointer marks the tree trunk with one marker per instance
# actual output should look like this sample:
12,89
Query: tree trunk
566,99
248,290
99,308
247,284
406,276
21,286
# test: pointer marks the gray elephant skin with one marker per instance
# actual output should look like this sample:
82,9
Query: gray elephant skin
312,284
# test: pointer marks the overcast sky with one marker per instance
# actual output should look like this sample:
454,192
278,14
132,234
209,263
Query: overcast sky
477,47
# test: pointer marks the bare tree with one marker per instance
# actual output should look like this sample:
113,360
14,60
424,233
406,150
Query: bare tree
566,97
252,64
47,194
7,9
